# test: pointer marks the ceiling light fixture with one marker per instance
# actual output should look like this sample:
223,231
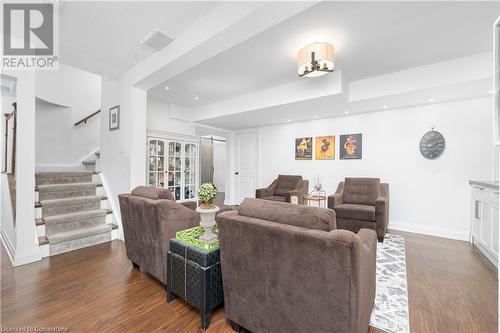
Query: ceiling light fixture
288,121
347,112
316,60
196,98
431,100
490,91
167,88
385,106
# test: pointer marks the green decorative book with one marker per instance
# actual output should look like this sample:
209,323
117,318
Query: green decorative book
192,237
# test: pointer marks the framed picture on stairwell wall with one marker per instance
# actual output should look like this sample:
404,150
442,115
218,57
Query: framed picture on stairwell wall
114,118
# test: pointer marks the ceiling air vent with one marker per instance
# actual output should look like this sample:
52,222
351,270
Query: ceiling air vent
156,40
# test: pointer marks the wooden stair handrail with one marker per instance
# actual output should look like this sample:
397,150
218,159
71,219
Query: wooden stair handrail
84,120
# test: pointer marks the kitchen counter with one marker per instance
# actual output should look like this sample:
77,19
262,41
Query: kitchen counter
492,185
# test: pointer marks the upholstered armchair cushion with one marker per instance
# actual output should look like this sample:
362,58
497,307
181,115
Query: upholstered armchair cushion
361,191
285,213
286,183
153,193
273,198
356,212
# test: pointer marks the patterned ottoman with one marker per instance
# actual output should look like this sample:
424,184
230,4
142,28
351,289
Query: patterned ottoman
195,276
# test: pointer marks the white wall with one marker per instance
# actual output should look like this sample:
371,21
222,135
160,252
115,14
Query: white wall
23,248
220,165
429,197
159,118
66,96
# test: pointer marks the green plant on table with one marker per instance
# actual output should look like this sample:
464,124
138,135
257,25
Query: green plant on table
206,193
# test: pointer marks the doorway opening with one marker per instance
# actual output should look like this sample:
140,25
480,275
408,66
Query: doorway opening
213,165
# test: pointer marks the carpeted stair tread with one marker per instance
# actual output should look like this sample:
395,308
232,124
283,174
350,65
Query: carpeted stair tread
67,185
63,177
80,233
70,205
75,217
69,190
64,201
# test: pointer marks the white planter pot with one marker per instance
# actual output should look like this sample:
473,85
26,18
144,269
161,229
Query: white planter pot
208,222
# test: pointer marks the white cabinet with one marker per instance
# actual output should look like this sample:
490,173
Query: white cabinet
484,220
173,164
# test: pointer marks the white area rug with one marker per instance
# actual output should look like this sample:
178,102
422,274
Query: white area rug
390,312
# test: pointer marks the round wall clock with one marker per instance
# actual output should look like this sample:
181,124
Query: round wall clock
432,145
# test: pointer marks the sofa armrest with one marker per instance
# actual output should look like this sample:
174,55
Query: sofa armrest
267,191
190,204
293,193
363,282
337,198
382,211
381,214
369,240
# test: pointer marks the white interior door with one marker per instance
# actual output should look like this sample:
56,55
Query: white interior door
246,165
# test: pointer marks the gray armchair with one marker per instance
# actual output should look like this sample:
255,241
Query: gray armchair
284,188
361,203
150,218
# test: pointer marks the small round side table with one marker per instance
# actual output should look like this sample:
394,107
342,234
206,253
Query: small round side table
316,198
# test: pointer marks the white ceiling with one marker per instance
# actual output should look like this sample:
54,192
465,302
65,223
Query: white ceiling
103,37
371,38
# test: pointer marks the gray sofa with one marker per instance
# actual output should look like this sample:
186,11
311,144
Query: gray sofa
286,268
150,218
361,203
283,188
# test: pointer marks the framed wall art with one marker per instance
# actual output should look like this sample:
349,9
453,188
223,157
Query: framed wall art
325,147
114,118
303,148
351,146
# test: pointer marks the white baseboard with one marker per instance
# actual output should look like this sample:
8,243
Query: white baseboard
19,258
427,230
7,244
27,257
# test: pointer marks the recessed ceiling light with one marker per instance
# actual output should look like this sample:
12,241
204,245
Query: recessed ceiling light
288,121
196,98
490,91
314,117
431,100
167,88
347,112
385,106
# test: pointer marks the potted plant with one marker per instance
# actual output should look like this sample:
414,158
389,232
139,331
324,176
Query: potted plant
207,210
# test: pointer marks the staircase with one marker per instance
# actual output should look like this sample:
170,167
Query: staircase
92,161
72,211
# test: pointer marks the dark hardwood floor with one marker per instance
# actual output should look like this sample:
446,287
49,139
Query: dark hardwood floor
451,287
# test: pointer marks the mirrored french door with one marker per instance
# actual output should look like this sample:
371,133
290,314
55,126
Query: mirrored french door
173,164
